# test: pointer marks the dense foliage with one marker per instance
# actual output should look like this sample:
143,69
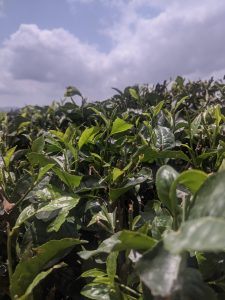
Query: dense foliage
121,199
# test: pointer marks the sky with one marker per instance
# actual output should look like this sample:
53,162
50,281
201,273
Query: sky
47,45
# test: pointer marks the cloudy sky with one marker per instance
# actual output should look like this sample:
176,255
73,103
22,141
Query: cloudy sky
46,45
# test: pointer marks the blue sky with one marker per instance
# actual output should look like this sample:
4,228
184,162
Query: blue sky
95,45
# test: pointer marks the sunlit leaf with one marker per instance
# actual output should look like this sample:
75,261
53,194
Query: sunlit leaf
119,125
8,156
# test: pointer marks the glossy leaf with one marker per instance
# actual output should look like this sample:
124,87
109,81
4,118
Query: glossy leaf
159,271
123,240
28,268
203,234
195,125
86,134
98,291
165,138
191,179
165,177
210,198
93,273
70,180
25,215
64,204
119,125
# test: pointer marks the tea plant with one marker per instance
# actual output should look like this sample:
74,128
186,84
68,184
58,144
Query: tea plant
120,199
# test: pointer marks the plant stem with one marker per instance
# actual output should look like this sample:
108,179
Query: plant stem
9,252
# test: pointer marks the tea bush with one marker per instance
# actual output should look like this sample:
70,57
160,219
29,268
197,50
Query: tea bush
120,199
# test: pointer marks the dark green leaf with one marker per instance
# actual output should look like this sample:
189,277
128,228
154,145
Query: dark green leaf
39,159
28,268
210,198
72,91
115,193
190,285
38,145
203,234
165,138
165,177
159,270
38,279
64,205
123,240
70,180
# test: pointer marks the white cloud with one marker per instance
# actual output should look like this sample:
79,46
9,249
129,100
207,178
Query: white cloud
181,38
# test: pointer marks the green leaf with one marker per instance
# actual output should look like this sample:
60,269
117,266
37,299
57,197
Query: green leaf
119,125
98,291
71,181
43,171
181,101
190,285
72,91
115,193
101,115
134,93
38,145
191,179
116,173
123,240
203,234
58,134
165,177
210,198
93,273
39,159
68,135
38,279
25,215
9,154
159,271
157,108
151,155
84,138
64,204
165,138
111,266
29,267
195,125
